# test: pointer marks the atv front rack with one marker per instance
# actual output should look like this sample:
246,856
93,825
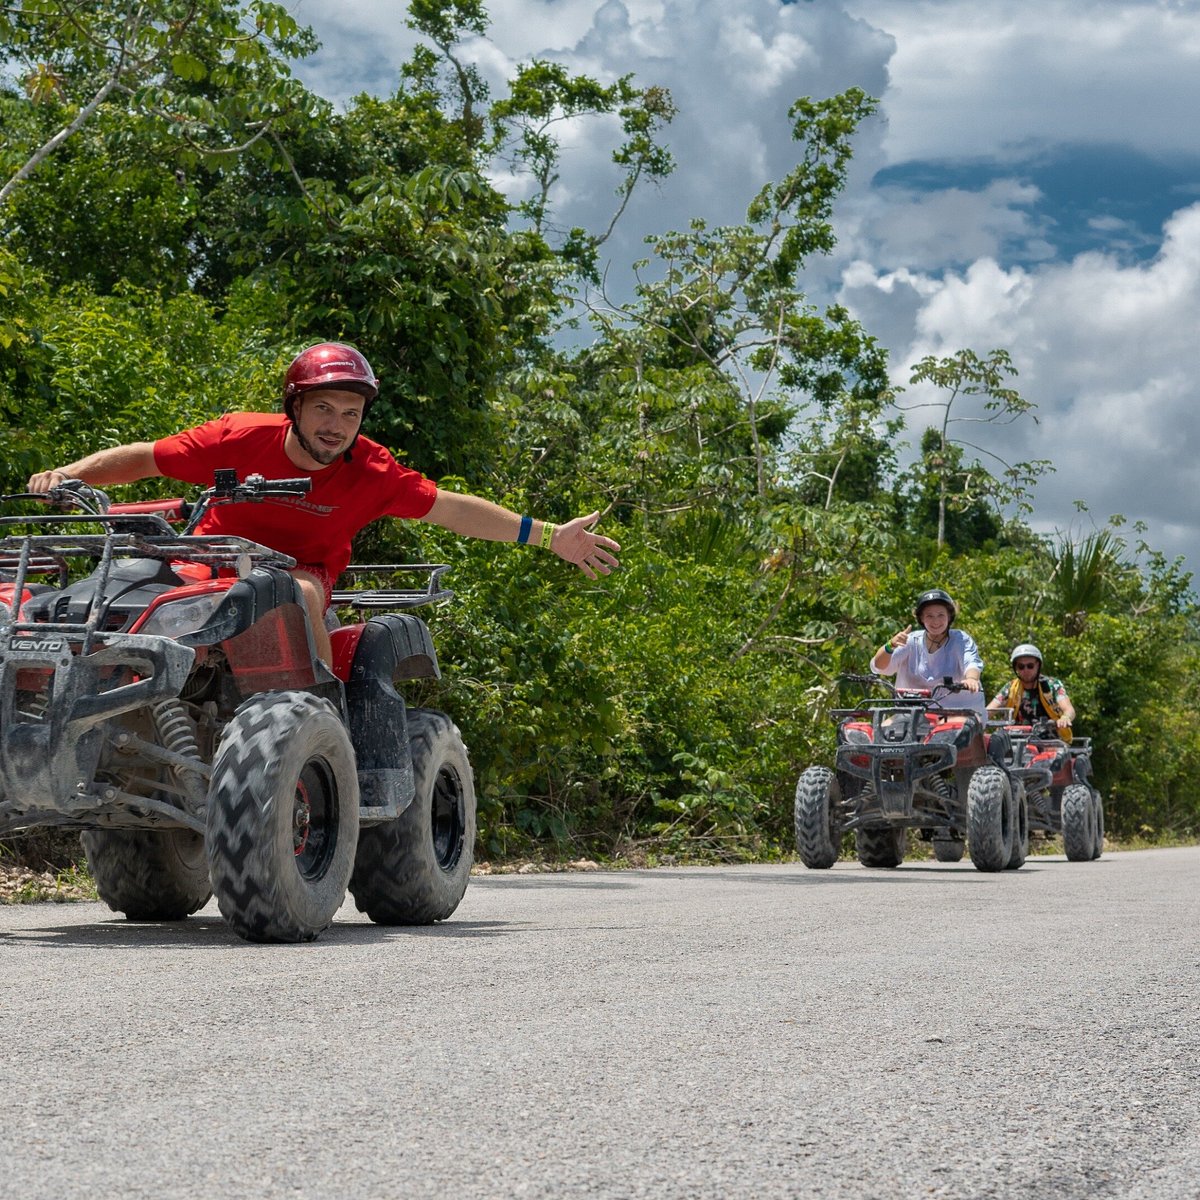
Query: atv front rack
130,535
150,537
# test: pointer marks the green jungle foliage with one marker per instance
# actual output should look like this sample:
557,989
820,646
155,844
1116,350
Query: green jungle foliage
207,217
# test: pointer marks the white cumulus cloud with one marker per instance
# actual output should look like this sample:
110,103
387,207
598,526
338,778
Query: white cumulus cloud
1105,349
733,70
971,79
1105,343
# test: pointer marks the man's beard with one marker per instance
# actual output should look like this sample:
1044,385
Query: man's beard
323,456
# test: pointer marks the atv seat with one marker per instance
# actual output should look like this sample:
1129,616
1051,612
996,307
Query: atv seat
1051,757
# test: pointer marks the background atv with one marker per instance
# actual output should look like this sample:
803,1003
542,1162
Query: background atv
169,705
1058,784
909,763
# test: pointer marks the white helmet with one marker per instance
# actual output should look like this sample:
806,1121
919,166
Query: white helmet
1025,650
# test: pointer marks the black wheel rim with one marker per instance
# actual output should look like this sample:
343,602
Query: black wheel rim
314,819
448,816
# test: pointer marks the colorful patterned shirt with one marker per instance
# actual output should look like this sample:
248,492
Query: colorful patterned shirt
1030,709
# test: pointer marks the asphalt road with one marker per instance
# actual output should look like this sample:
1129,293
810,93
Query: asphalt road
763,1031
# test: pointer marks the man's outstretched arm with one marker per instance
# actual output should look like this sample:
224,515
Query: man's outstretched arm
120,464
574,542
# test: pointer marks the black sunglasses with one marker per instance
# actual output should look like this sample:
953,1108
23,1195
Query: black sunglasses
1027,666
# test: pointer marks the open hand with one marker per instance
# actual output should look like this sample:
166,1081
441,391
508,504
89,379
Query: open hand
575,543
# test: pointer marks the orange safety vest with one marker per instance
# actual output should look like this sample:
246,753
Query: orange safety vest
1016,693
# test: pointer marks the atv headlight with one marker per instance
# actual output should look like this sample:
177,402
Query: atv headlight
174,618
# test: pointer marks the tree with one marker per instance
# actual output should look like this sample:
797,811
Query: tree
97,371
1085,575
206,77
965,375
727,300
961,521
544,95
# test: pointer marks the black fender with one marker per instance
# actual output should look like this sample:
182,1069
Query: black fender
999,747
129,589
395,646
392,646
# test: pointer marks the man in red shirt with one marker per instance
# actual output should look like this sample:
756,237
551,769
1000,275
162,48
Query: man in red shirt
327,391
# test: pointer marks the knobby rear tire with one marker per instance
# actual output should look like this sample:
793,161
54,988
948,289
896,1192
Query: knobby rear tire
1020,828
881,846
149,874
414,870
948,850
1078,823
1098,847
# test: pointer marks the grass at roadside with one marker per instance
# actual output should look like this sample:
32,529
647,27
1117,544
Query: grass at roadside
24,885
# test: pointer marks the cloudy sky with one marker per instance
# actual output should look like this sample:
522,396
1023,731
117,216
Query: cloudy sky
1032,182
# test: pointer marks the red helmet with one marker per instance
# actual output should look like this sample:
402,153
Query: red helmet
329,365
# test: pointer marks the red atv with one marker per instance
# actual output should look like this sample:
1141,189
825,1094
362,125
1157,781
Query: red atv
1058,782
159,692
908,762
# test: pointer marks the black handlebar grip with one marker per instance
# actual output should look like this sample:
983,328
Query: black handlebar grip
287,487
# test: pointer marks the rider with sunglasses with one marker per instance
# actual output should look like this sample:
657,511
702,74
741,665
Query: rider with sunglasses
1033,697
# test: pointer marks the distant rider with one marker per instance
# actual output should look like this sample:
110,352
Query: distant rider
1035,699
937,651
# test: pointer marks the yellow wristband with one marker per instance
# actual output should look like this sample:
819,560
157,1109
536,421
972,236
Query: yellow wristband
547,534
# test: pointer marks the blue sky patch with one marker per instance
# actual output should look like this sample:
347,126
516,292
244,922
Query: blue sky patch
1093,197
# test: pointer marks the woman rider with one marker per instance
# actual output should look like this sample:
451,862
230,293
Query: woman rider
937,651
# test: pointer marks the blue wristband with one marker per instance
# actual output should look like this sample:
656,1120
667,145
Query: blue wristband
523,534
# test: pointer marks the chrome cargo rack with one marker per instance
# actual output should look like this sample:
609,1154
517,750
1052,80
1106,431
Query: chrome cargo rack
391,598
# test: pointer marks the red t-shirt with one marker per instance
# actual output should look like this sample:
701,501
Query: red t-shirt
315,529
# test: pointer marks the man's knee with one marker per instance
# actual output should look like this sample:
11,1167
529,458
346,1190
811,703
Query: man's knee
314,598
311,590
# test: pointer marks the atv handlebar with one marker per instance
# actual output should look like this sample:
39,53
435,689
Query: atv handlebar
946,687
141,528
227,490
226,486
930,699
140,519
71,493
74,493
